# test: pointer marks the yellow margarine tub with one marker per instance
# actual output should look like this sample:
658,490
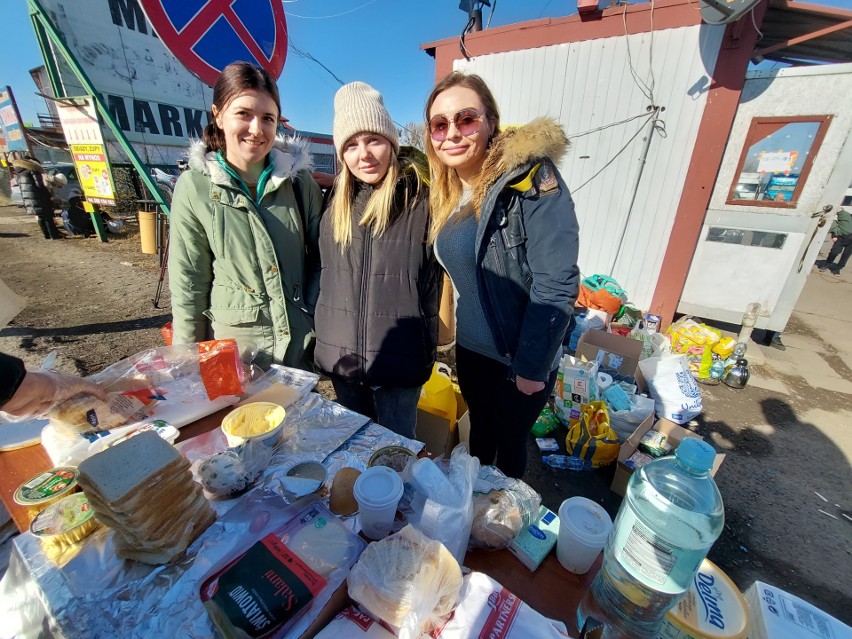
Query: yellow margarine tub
713,608
257,420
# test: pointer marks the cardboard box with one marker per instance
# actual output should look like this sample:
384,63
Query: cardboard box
776,614
612,352
440,434
675,435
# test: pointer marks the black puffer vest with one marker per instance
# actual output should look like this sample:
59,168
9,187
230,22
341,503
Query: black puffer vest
377,315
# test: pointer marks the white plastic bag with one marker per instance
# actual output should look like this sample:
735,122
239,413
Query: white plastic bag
487,609
408,581
442,504
575,386
674,389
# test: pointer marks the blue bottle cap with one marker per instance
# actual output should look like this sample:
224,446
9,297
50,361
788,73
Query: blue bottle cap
696,453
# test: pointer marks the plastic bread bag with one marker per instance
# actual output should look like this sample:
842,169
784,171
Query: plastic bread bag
502,508
283,580
408,581
351,623
441,505
487,609
176,384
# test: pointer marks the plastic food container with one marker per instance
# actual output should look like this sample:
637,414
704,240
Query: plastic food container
65,522
377,491
583,530
262,421
713,608
46,488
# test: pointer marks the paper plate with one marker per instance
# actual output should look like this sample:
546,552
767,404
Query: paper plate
14,435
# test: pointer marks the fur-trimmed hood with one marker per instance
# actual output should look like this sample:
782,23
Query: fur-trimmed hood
289,155
517,146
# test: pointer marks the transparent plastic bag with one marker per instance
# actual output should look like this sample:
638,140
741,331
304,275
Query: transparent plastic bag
176,384
408,581
502,508
442,504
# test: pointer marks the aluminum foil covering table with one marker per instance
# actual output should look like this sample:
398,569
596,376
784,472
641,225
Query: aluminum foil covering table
86,591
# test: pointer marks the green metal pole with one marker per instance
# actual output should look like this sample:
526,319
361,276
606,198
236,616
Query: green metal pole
38,15
49,62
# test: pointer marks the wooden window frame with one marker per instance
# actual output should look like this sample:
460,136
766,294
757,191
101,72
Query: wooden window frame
753,136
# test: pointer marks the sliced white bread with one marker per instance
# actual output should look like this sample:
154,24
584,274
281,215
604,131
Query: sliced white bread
124,470
168,553
161,495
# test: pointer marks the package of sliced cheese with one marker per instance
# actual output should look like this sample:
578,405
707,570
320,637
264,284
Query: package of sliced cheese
284,579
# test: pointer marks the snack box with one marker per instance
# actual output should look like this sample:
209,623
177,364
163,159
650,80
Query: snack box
536,540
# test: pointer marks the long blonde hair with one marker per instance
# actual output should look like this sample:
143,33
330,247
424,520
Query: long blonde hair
445,187
378,214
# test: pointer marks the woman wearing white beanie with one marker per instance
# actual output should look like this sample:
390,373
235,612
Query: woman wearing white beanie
377,314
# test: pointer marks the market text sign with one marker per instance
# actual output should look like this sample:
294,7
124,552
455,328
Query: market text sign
207,35
93,173
153,98
10,122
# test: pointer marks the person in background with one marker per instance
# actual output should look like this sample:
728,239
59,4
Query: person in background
504,229
377,314
841,238
26,393
75,219
36,196
243,259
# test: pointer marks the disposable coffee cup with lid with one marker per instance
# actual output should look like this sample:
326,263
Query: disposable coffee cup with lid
377,491
583,530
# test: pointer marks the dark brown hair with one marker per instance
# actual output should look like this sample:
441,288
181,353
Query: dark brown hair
234,79
445,187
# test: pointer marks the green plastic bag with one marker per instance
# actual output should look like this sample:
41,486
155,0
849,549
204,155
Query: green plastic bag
546,423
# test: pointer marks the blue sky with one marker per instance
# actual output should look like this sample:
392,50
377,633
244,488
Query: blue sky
377,41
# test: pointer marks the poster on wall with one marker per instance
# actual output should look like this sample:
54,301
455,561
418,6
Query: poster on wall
94,173
83,133
154,99
776,162
11,126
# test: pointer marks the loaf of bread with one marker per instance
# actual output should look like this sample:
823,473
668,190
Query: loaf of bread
407,575
143,490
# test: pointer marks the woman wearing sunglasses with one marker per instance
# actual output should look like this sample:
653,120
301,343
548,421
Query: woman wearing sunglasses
377,314
504,229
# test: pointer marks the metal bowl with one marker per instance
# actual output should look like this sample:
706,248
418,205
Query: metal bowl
395,457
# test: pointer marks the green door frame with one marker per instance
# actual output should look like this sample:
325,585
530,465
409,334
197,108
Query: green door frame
45,31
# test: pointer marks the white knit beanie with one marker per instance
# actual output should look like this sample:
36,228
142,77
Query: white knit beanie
358,108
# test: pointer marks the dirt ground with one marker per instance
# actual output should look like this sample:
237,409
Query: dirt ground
92,303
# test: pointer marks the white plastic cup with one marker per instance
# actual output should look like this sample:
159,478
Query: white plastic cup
377,491
583,530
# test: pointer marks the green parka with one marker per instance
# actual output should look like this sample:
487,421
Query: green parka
244,269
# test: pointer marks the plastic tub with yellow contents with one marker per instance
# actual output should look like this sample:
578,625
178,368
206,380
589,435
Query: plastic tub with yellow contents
255,421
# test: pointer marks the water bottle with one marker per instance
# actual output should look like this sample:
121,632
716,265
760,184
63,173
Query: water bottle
566,462
671,515
717,369
579,328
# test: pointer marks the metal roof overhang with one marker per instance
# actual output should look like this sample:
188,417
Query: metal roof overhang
797,33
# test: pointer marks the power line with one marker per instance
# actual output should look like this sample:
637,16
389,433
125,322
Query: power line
304,54
620,151
336,15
